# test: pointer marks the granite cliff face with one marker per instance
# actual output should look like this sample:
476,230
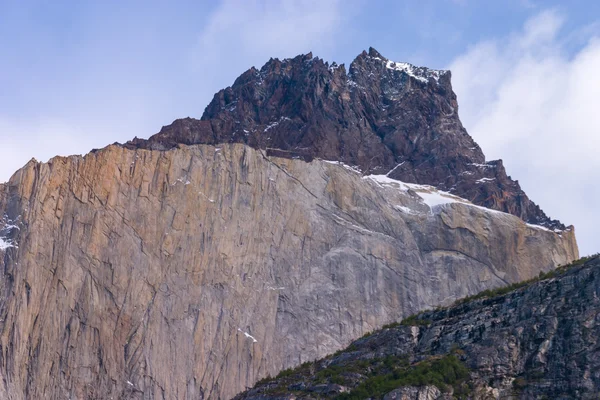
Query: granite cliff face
536,342
380,116
193,272
291,219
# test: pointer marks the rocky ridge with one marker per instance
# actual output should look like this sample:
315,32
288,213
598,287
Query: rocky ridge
538,341
380,116
193,272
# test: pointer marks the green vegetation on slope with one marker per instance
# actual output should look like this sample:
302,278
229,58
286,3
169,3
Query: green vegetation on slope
375,377
490,293
378,376
447,373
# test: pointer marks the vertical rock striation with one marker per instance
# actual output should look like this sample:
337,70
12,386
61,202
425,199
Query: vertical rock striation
193,272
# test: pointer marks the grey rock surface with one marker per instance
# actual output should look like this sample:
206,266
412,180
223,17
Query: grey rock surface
536,342
416,393
193,272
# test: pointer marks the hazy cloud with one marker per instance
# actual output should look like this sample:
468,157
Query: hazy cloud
240,34
527,99
133,92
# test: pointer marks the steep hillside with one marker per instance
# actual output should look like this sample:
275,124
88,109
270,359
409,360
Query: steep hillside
535,342
193,272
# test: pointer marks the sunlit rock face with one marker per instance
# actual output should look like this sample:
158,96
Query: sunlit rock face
192,272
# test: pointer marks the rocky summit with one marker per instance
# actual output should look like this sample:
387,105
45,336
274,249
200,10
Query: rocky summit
380,116
306,208
539,341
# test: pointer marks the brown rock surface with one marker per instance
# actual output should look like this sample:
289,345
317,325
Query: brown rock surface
193,272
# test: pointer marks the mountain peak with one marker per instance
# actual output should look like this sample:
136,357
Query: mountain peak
373,62
383,117
374,53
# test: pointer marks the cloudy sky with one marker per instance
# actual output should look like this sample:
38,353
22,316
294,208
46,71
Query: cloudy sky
80,75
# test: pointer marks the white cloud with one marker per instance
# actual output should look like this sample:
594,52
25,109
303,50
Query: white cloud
529,99
236,35
22,141
43,137
242,33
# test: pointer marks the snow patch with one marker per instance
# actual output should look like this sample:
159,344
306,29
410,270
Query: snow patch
5,244
249,336
543,228
421,74
482,180
481,165
352,84
438,198
406,210
274,124
428,195
352,168
181,180
333,66
5,229
386,181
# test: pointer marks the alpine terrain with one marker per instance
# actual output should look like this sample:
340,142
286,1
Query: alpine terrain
309,205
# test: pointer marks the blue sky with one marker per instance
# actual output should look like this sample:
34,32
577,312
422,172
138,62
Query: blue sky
80,75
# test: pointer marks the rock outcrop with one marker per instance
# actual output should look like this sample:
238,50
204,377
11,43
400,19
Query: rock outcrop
536,342
380,116
192,272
